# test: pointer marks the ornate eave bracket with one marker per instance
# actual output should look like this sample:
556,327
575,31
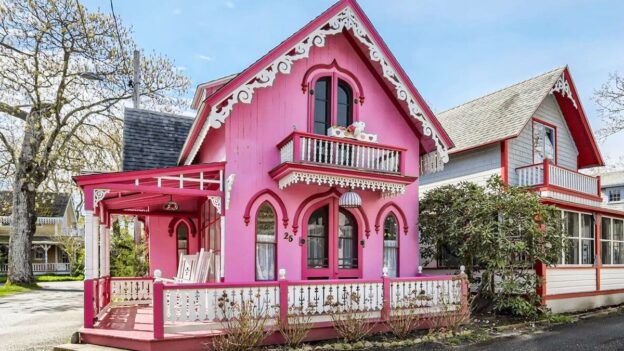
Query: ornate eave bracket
216,202
563,87
388,189
344,20
98,195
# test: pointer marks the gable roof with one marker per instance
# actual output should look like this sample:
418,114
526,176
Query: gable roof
504,113
46,204
152,139
344,17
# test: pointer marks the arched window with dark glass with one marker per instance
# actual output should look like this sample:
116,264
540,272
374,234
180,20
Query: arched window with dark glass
391,245
182,233
266,226
347,240
322,105
318,238
344,115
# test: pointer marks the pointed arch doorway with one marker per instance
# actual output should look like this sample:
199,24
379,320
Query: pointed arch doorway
331,247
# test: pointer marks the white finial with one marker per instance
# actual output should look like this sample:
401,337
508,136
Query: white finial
282,274
384,271
419,269
462,269
157,273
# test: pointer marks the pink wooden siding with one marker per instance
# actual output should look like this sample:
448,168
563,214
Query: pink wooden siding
251,135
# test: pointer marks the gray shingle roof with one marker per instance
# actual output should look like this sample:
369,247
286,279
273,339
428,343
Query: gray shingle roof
46,204
612,179
499,115
152,139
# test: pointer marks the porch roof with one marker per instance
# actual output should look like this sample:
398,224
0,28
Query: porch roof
145,191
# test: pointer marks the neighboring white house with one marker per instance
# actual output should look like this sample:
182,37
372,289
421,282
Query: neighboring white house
612,185
535,134
55,216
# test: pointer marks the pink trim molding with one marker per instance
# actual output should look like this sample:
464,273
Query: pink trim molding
274,196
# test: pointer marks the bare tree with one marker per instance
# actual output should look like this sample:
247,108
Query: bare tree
64,79
610,99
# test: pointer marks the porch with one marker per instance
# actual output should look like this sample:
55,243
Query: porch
141,314
43,268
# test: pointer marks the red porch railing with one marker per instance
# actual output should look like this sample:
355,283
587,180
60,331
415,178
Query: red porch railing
317,149
549,175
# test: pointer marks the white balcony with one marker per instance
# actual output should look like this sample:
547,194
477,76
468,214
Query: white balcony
548,175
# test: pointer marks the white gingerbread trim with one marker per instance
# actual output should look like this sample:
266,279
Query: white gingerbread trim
387,188
229,182
98,195
563,87
345,19
216,202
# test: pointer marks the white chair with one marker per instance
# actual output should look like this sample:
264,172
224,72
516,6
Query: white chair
192,268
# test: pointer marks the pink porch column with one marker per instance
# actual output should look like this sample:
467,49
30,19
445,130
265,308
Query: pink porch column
159,324
89,314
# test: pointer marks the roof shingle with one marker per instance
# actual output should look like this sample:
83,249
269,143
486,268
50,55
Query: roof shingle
499,115
46,204
152,139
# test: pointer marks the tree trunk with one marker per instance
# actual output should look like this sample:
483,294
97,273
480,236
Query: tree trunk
28,177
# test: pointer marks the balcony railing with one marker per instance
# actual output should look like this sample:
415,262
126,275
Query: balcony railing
547,174
341,152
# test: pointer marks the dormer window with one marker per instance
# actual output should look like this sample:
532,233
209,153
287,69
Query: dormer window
333,102
544,142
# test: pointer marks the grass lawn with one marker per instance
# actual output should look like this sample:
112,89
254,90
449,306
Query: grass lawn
51,278
10,289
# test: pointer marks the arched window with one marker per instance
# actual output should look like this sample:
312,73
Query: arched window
391,244
322,105
347,240
182,234
344,115
318,238
266,226
333,100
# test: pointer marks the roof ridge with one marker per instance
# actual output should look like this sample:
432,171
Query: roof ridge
501,89
165,114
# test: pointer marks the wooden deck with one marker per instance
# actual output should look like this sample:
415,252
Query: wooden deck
131,327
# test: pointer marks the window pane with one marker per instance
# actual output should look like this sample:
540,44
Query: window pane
538,142
265,261
587,251
588,226
322,93
265,221
618,229
391,227
345,104
571,222
605,252
549,143
318,231
571,251
618,253
347,241
390,260
605,229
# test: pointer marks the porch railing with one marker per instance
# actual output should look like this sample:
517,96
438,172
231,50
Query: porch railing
39,268
548,174
340,152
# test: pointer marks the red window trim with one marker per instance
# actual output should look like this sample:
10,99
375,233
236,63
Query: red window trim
556,146
256,242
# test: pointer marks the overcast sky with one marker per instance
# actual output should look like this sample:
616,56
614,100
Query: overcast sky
452,50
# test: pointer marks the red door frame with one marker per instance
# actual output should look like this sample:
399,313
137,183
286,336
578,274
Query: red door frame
332,271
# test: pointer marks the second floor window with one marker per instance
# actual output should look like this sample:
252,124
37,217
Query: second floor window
333,103
544,143
615,196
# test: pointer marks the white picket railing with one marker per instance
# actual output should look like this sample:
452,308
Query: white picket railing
131,291
320,298
575,181
43,268
341,152
534,175
425,293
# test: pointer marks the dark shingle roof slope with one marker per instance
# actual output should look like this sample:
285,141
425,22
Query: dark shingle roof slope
47,204
152,139
499,115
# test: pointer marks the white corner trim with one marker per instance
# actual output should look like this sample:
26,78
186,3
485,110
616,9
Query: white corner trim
345,19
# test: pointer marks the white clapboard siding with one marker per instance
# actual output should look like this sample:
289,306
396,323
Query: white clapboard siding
565,281
611,278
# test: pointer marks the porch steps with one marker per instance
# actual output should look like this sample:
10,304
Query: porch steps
84,347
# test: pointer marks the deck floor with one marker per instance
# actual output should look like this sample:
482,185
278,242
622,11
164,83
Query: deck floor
136,322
